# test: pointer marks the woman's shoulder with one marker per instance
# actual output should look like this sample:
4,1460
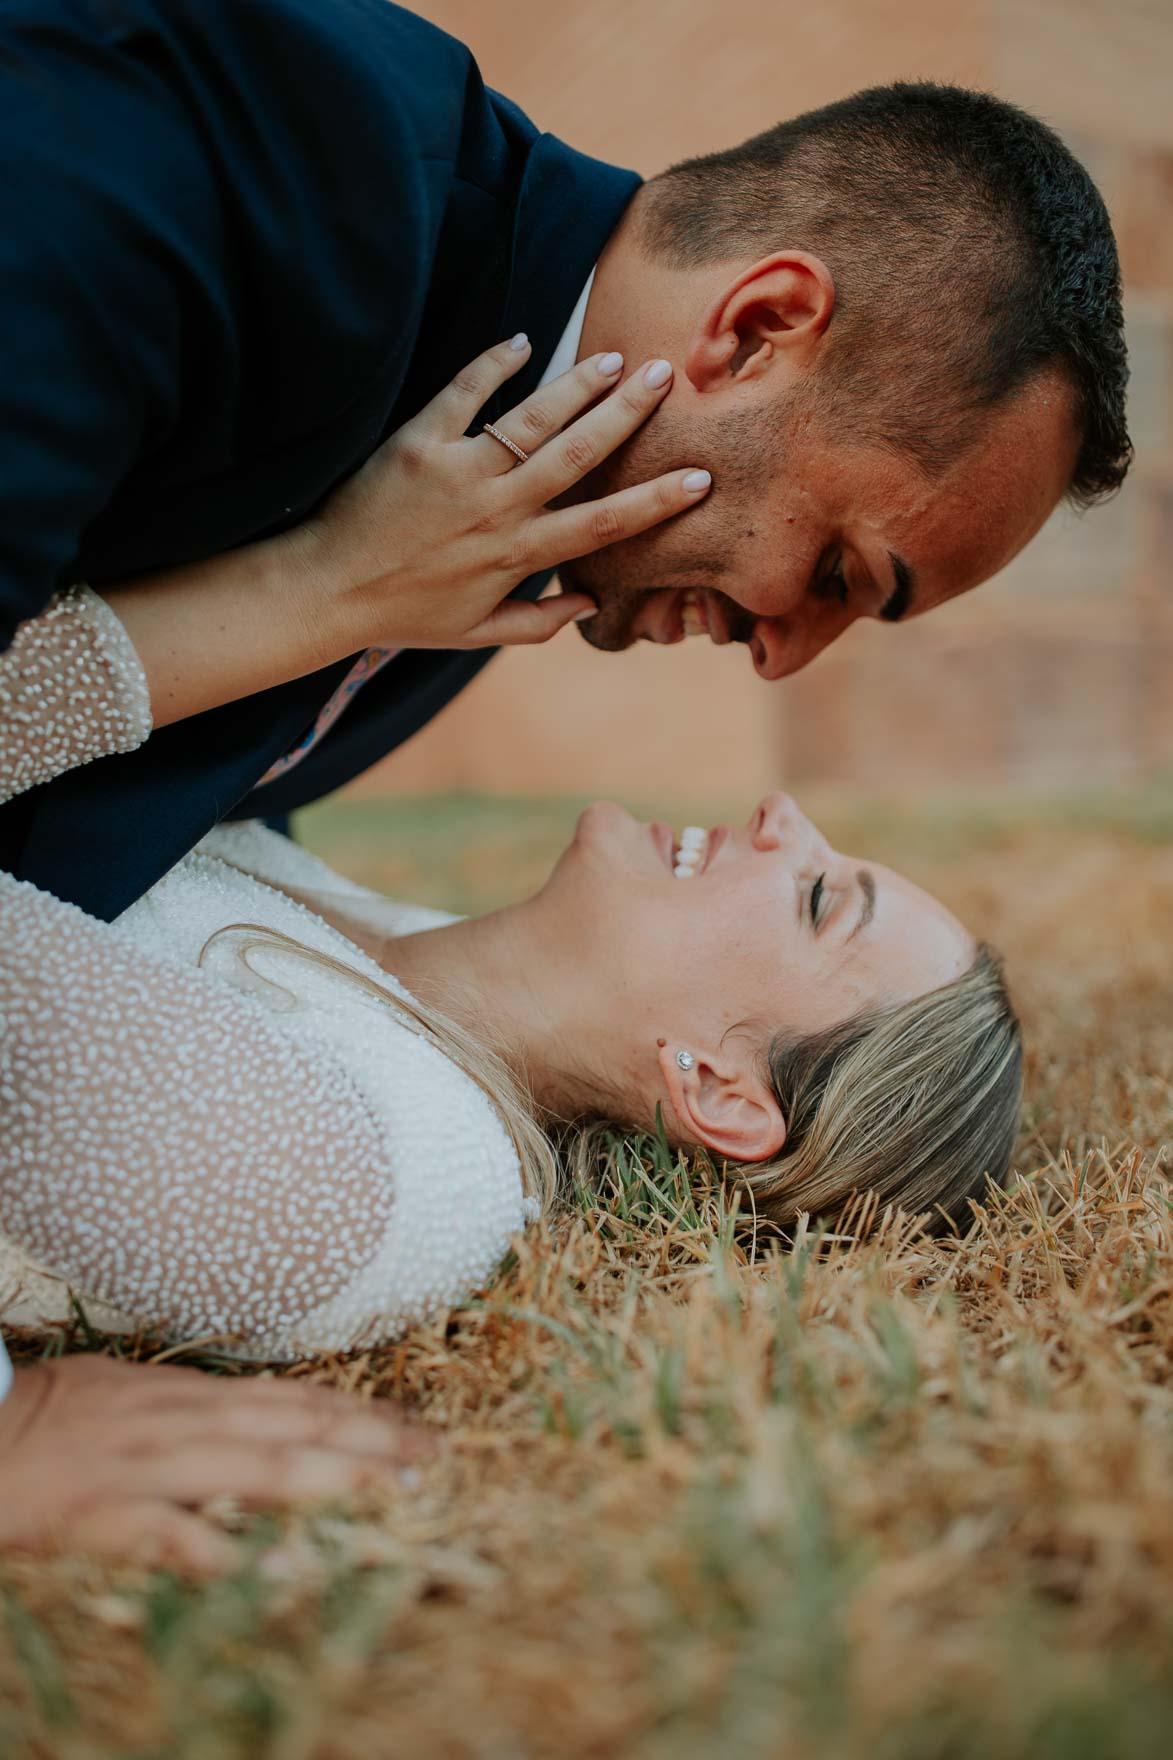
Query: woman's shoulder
458,1191
279,861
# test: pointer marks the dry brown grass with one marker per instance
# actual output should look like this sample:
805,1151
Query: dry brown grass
706,1496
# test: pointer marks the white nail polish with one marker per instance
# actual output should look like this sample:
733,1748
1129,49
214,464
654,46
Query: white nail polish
658,374
518,342
695,481
610,365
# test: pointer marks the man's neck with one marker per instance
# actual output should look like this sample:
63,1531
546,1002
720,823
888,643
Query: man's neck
620,291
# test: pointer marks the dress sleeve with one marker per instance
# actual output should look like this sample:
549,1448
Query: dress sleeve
165,1146
72,688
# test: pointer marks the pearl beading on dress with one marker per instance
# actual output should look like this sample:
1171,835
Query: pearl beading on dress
186,1147
72,689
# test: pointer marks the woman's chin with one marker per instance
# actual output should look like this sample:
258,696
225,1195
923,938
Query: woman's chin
608,837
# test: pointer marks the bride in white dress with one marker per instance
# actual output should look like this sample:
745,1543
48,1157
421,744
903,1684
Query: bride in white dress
273,1111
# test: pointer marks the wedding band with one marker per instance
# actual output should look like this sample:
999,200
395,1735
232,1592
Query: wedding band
506,441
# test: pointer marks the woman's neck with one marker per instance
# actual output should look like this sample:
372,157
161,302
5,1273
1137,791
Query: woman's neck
497,977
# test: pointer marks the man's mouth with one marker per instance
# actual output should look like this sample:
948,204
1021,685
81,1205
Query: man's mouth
694,614
675,613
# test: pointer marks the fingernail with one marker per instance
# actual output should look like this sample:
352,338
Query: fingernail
519,341
658,373
695,481
581,616
610,365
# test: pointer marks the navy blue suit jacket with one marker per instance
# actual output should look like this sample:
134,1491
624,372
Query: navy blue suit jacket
241,241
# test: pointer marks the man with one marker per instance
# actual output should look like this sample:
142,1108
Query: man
242,241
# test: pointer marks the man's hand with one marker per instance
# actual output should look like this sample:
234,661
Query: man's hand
99,1456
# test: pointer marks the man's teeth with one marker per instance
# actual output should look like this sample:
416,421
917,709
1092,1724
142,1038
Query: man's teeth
694,841
692,620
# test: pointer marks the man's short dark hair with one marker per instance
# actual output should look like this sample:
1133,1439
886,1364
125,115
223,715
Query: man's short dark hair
971,252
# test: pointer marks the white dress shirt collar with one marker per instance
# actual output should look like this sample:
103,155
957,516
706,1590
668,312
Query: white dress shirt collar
566,353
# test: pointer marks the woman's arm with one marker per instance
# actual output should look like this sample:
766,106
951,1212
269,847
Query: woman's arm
420,549
72,689
165,1145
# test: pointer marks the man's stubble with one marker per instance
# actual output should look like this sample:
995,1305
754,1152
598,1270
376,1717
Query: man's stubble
693,548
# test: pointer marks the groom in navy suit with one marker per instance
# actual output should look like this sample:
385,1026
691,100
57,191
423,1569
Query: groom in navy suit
244,241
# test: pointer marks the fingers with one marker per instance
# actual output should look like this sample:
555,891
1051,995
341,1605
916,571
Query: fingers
272,1475
548,410
310,1416
576,531
589,440
152,1533
515,623
451,411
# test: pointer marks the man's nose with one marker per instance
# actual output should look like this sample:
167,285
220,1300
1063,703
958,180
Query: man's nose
782,645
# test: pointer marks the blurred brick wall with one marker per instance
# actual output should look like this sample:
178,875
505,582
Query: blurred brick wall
1058,671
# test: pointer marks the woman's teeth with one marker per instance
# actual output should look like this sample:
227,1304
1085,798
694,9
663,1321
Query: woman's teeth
693,843
692,619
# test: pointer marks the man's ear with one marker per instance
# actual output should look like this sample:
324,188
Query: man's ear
776,311
722,1103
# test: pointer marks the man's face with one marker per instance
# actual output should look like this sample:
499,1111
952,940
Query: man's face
805,530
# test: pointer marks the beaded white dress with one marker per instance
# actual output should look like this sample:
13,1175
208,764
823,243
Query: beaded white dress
253,1150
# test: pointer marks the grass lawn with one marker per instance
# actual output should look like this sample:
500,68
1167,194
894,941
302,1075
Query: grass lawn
704,1495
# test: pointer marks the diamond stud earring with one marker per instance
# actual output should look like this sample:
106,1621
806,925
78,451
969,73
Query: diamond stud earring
685,1059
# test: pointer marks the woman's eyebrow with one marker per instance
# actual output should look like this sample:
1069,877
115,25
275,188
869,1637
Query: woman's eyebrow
867,886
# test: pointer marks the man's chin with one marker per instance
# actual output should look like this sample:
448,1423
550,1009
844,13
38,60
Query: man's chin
606,633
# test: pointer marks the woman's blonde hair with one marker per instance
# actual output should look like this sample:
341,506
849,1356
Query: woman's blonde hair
916,1103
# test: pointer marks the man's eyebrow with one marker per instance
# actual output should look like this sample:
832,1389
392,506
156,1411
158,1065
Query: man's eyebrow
867,886
900,598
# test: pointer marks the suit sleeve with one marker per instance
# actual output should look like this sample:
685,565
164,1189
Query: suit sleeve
215,226
94,254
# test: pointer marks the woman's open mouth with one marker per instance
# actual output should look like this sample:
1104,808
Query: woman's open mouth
692,852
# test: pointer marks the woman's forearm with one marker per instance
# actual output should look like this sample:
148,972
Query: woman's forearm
211,632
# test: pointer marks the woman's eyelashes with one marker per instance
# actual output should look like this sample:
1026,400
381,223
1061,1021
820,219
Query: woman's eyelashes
817,891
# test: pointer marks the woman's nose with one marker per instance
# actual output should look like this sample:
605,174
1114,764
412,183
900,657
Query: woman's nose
778,821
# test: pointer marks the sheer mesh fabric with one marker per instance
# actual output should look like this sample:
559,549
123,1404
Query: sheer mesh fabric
72,689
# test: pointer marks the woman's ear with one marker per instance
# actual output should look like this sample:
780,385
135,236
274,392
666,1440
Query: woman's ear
721,1102
775,311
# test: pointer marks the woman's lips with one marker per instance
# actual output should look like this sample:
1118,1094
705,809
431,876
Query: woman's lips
662,838
717,837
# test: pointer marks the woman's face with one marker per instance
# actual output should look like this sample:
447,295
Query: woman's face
775,930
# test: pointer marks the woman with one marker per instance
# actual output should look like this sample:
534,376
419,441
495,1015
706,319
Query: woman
819,1025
